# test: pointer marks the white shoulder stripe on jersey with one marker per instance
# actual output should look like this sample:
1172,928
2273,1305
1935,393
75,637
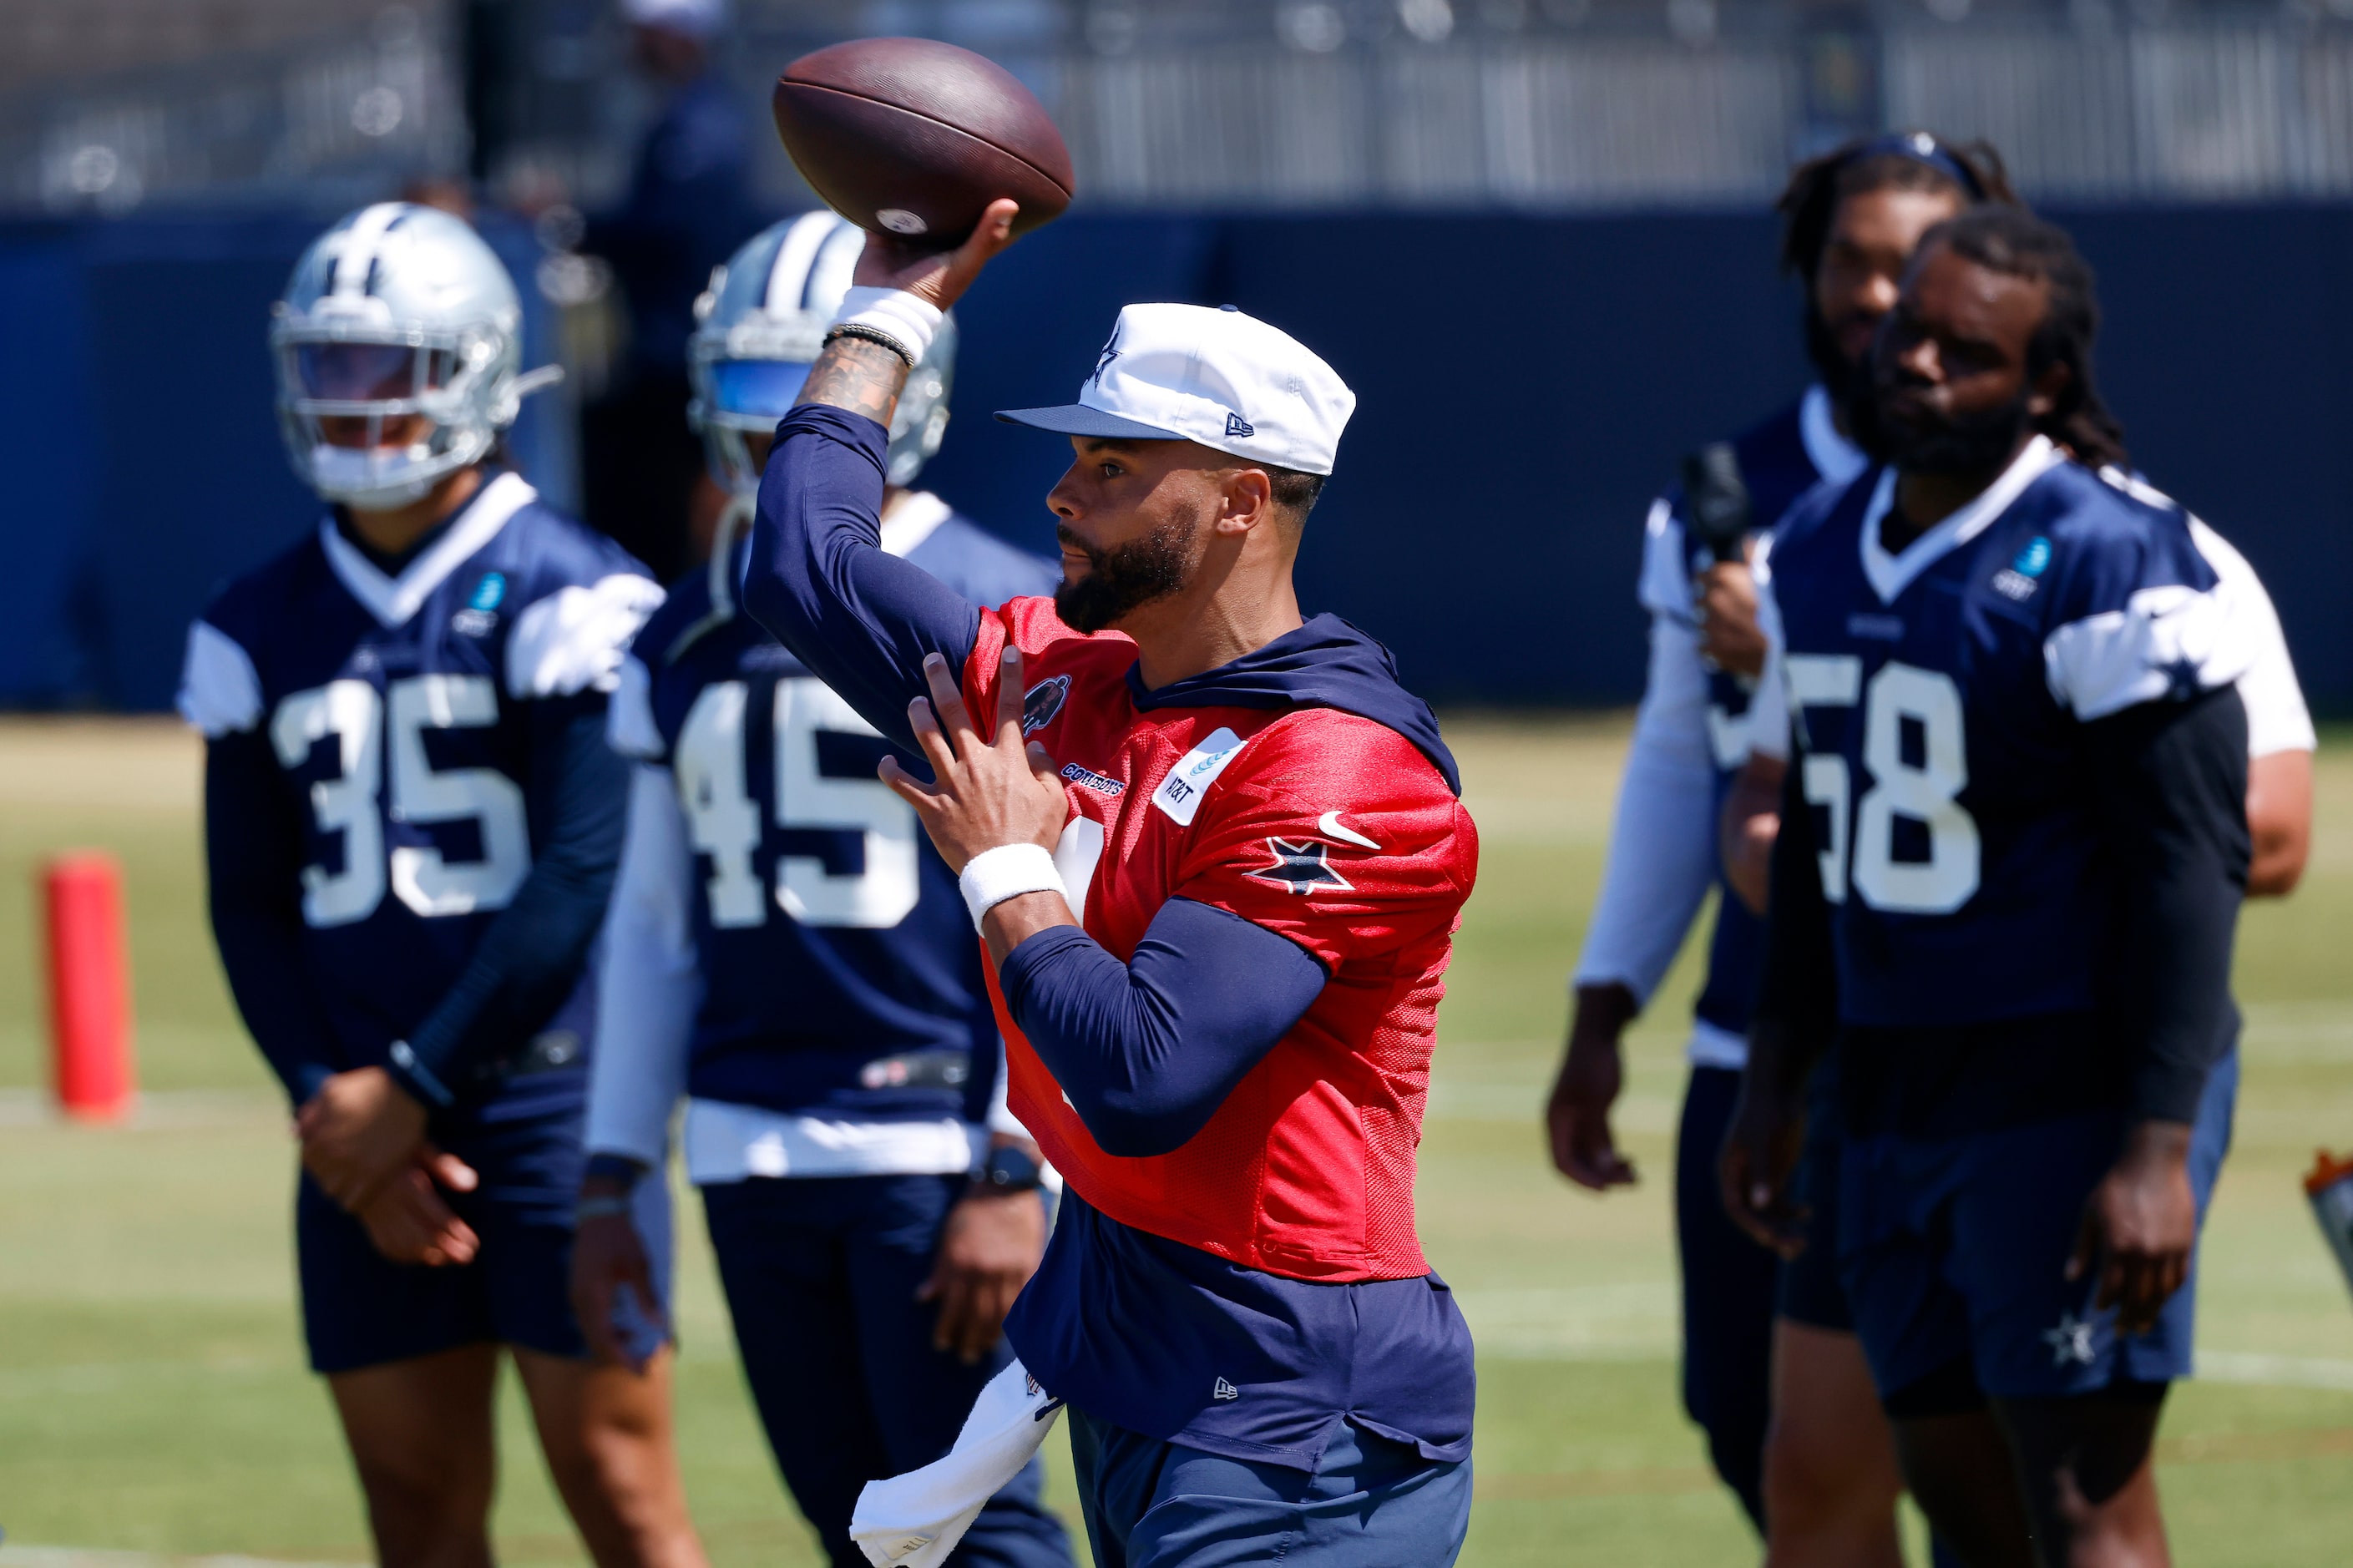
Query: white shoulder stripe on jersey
220,693
1663,585
2171,639
1838,460
573,640
629,726
2277,718
392,601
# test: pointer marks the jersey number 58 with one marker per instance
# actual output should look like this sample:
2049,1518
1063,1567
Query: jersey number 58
1919,784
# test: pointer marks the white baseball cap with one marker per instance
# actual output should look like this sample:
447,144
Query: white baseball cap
1187,372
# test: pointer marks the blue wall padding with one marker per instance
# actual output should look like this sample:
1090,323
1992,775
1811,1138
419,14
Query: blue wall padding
48,636
1526,385
142,447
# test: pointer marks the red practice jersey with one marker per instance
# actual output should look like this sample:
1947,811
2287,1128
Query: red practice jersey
1325,827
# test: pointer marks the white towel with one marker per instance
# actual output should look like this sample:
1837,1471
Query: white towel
915,1520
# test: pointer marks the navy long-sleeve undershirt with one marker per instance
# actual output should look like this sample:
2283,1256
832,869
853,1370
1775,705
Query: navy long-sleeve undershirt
254,856
2172,783
1147,1050
860,619
2172,780
520,970
530,958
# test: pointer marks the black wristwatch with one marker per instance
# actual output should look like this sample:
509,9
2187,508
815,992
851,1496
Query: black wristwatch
1008,1168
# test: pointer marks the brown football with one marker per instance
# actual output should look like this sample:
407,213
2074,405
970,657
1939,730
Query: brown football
911,137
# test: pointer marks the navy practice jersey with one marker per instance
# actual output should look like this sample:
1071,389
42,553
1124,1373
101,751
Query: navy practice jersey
840,975
404,713
1781,459
1941,697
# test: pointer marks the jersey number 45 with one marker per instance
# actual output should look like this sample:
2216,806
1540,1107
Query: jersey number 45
1916,782
724,820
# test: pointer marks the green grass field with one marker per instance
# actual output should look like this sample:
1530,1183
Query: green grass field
153,1396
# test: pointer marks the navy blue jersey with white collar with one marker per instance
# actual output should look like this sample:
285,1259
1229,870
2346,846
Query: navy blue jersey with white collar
840,975
1941,699
1781,459
406,715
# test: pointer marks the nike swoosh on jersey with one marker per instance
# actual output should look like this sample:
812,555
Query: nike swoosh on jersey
1329,825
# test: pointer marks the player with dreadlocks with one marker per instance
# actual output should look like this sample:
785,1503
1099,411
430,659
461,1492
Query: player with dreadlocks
1829,1477
2012,846
1850,219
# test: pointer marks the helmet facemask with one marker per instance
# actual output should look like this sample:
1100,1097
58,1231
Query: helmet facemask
374,415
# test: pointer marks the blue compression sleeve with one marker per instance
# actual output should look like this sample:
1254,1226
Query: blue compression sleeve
529,960
819,581
1147,1051
253,857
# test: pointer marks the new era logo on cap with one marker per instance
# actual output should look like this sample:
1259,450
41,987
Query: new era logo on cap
1222,378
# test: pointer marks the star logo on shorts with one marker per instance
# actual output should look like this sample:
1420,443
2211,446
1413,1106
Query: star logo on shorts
2071,1341
1300,865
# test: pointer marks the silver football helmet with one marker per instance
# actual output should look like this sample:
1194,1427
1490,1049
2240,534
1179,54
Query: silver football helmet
401,317
761,323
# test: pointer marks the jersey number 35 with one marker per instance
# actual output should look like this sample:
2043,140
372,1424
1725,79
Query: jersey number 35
355,805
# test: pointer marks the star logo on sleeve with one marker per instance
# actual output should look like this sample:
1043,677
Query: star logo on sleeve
2182,678
1303,865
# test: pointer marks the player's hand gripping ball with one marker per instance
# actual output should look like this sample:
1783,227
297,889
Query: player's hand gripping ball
914,139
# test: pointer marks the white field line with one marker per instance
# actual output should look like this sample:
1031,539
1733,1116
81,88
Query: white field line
12,1556
171,1108
2275,1371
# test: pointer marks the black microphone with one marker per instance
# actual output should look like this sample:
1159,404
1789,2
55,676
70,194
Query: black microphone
1715,500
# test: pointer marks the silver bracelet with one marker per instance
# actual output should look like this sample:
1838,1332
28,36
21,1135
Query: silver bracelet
602,1206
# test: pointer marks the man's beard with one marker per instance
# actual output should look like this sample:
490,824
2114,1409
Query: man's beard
1125,577
1839,375
1974,444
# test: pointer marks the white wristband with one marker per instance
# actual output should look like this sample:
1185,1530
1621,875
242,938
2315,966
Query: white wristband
1005,872
911,322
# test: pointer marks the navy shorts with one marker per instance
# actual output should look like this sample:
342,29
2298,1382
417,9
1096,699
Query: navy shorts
1954,1252
361,1309
1370,1503
1810,1290
820,1274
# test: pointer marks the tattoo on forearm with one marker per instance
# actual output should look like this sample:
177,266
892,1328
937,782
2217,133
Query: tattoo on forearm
858,375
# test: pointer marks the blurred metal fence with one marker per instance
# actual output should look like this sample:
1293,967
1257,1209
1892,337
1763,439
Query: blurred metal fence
1611,123
1383,103
337,118
2203,111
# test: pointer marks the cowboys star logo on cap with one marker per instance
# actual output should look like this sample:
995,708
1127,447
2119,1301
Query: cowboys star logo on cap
1042,702
1303,865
